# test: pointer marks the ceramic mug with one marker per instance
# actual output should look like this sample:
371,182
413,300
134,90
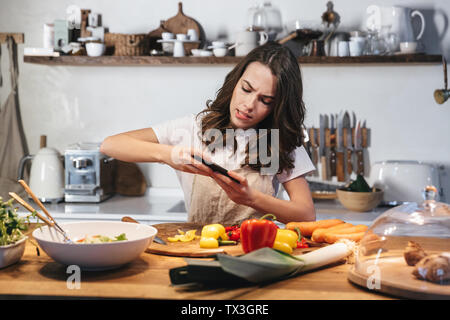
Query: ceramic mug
181,36
192,35
356,46
246,41
343,49
408,47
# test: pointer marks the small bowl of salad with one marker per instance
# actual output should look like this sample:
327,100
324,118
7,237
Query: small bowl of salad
12,237
96,245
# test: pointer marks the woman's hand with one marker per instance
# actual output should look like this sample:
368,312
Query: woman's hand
239,193
182,158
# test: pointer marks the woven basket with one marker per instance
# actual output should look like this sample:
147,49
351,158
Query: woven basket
121,44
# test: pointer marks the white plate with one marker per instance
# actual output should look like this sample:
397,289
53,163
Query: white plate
176,40
99,256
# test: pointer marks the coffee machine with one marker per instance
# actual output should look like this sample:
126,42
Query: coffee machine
89,174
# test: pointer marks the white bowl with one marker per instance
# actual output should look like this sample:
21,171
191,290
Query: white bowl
12,253
95,49
182,36
205,53
408,47
167,35
218,44
196,52
220,52
99,256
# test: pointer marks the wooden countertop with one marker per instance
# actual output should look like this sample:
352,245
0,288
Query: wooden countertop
148,278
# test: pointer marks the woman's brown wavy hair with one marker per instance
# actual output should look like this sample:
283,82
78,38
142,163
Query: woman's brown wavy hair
288,111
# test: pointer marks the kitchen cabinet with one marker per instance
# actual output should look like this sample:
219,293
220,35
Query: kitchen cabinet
404,59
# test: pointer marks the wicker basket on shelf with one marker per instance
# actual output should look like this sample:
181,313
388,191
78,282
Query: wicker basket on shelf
120,44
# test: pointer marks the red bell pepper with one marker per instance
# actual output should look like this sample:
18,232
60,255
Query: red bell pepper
258,233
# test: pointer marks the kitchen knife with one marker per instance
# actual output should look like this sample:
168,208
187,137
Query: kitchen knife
364,135
314,155
340,165
359,150
332,145
322,149
353,127
348,142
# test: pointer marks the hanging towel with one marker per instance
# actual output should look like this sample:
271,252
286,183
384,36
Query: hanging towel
13,144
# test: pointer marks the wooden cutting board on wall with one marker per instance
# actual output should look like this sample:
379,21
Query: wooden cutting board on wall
155,35
180,23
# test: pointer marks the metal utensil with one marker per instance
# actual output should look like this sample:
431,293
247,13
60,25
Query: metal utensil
156,239
348,142
314,154
340,164
27,206
322,153
325,158
442,95
359,149
39,203
332,145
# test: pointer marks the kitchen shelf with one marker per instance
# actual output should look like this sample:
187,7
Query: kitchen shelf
164,60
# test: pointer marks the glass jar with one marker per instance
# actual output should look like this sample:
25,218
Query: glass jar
274,24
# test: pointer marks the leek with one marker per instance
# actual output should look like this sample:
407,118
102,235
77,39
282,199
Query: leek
267,264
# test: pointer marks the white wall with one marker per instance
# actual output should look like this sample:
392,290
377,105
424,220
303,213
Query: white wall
71,104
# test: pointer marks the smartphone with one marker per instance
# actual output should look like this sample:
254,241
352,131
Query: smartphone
216,168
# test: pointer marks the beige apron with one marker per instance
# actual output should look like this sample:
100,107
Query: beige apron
211,204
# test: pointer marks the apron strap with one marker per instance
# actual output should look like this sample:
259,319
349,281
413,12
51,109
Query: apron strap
1,78
13,63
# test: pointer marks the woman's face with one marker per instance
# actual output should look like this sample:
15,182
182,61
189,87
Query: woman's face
253,96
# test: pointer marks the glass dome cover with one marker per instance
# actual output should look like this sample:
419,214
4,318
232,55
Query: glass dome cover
400,252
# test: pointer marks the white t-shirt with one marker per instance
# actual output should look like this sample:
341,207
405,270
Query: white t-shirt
186,132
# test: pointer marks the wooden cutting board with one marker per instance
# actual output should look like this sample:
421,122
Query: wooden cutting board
180,23
186,249
155,35
396,278
192,249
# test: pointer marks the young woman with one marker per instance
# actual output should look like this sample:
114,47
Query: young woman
253,129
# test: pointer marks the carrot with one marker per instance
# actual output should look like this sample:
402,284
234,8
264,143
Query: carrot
333,237
353,229
307,228
318,234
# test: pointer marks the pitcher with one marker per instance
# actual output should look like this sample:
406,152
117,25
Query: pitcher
246,41
403,24
396,21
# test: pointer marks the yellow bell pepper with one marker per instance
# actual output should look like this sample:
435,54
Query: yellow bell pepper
285,240
211,234
183,236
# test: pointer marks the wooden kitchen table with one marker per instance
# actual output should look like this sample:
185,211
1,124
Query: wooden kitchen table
148,277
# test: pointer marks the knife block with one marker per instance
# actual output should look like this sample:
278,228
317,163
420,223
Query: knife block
330,168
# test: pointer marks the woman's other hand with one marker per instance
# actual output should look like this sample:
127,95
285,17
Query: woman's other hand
239,193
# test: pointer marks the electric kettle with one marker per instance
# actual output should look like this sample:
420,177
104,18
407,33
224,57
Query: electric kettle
46,174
